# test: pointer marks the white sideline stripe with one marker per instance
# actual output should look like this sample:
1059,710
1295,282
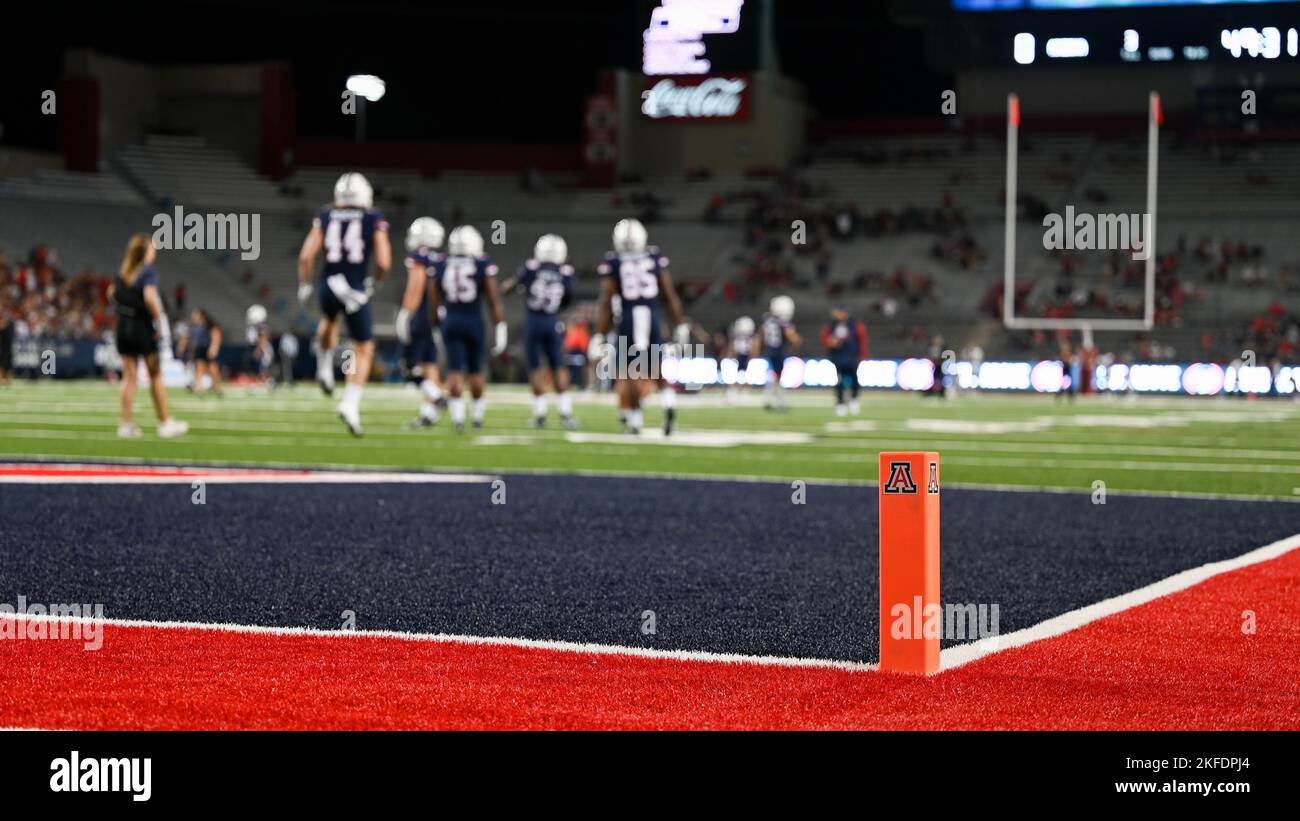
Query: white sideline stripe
451,638
64,459
949,658
258,479
953,657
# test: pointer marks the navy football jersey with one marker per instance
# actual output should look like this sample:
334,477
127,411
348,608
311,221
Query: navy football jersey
461,282
428,258
637,275
548,286
349,241
773,332
255,332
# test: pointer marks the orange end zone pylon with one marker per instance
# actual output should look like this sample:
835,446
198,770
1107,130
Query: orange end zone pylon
911,618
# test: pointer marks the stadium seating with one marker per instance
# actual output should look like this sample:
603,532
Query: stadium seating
95,212
188,170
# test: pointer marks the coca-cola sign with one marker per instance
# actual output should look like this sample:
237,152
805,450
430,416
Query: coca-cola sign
696,98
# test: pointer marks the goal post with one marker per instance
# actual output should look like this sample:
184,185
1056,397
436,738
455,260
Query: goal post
1155,117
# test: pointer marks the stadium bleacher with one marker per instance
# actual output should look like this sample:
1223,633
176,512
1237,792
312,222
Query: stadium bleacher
886,175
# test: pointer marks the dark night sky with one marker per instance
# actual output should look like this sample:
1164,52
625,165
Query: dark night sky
479,70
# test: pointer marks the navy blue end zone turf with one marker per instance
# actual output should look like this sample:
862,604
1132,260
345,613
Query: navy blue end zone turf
724,566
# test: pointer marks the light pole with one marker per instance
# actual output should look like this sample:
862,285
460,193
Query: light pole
366,88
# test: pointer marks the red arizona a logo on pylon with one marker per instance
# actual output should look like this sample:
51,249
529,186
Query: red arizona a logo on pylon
900,478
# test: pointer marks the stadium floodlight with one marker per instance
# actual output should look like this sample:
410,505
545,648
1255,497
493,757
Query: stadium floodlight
1155,117
368,86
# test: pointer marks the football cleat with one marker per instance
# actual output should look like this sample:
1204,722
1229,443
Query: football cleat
171,428
539,421
670,421
568,423
351,418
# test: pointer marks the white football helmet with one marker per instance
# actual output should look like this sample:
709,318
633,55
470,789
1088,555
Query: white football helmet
782,307
353,190
629,237
744,326
551,248
425,232
255,315
465,241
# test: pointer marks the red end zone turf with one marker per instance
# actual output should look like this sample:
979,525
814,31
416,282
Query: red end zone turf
1180,662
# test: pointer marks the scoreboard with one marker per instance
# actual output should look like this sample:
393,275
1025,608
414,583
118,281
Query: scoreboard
695,37
1015,5
1061,32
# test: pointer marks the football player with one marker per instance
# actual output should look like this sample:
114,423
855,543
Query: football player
547,280
777,332
205,343
845,341
414,330
457,286
353,234
261,352
638,275
741,347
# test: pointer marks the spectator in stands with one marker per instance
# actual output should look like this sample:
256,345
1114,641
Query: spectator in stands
6,342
